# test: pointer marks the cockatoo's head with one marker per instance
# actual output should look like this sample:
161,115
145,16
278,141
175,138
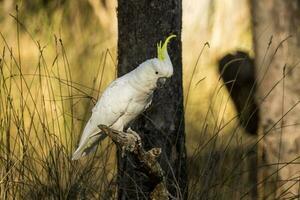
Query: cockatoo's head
162,65
154,72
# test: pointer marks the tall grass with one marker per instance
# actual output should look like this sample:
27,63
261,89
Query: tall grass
44,107
41,118
230,168
40,122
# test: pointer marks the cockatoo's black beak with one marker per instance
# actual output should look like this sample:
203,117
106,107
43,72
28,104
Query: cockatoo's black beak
161,82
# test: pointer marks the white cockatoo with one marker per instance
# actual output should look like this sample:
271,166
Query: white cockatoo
125,98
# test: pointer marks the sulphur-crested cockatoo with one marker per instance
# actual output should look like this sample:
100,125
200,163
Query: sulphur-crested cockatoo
125,98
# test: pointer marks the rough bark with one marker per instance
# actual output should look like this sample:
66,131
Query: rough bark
277,48
141,24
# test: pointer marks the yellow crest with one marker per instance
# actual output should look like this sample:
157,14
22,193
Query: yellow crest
161,50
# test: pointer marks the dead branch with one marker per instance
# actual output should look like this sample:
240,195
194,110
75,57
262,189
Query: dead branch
131,142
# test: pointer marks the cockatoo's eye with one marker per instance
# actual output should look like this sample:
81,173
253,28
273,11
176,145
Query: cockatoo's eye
156,72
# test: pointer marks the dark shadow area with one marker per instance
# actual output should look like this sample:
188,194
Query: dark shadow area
238,73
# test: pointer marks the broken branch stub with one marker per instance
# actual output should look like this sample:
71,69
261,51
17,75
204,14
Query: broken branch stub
149,165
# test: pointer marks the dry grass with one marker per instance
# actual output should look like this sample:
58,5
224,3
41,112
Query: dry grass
42,113
53,68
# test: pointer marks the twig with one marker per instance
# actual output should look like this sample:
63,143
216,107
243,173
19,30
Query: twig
149,165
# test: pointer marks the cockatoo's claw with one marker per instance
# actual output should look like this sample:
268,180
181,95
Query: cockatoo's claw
123,151
137,136
129,130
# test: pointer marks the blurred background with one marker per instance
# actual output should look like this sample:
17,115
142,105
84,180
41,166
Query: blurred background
57,57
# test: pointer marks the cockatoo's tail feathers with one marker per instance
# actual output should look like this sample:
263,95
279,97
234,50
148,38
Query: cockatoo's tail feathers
89,146
83,151
162,51
77,154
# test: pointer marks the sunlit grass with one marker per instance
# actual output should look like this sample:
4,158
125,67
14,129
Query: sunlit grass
50,80
44,99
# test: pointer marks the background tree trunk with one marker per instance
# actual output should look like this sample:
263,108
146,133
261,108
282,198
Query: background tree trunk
277,62
141,24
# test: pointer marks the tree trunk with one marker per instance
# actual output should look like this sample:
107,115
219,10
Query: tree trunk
277,62
141,25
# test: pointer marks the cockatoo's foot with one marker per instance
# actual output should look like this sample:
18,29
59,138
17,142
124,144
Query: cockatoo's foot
128,141
137,136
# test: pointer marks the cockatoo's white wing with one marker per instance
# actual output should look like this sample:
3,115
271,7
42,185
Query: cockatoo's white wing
111,106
